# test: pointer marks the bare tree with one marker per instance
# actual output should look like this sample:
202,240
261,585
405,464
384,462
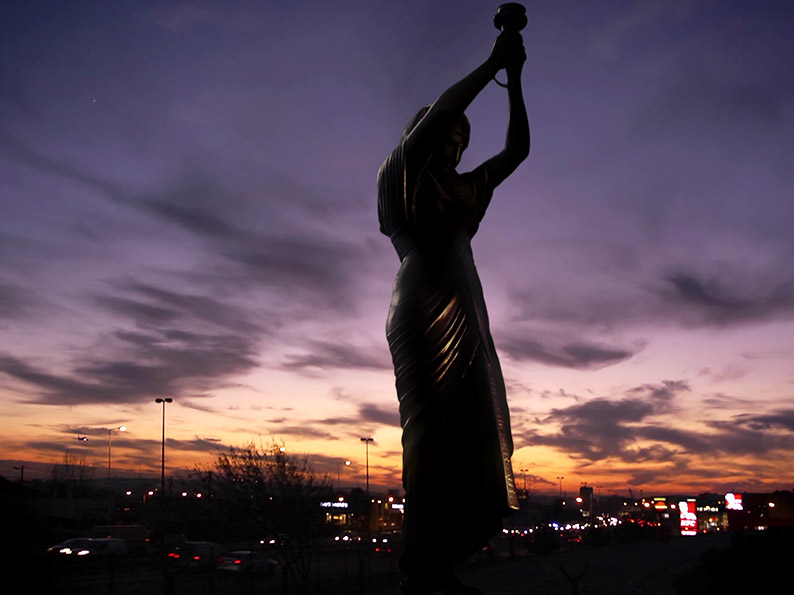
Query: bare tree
72,473
275,494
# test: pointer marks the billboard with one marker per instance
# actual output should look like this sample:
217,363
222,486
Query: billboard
688,516
733,501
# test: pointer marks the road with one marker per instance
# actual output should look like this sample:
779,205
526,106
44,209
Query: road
642,568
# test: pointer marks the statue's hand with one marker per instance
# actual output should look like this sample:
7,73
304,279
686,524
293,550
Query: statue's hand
515,66
508,49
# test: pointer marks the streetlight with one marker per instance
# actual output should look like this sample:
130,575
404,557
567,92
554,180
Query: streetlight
110,483
162,457
110,434
524,476
559,478
339,474
369,503
367,441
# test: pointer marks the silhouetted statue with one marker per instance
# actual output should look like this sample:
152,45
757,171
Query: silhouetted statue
456,438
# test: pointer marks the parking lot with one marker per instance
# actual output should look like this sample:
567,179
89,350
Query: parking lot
338,567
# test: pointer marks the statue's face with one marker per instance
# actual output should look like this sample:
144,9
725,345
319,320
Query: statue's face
453,145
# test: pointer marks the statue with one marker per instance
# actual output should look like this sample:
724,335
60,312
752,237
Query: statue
453,409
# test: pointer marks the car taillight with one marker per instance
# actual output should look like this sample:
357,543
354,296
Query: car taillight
238,561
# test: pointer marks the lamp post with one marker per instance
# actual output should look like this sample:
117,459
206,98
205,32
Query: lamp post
524,476
110,434
162,456
366,441
560,478
339,474
110,482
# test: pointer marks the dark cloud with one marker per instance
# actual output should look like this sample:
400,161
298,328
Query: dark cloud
600,428
725,297
213,342
326,355
712,302
308,431
579,355
367,419
157,363
625,431
281,242
141,313
388,416
663,393
14,301
164,305
776,420
54,388
25,154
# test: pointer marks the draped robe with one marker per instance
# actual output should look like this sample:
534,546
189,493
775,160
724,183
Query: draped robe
456,436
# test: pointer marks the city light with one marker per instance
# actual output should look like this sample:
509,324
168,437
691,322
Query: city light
733,501
689,519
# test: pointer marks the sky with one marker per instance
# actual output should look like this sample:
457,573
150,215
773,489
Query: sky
189,210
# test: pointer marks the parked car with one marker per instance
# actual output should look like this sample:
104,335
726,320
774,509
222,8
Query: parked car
247,561
89,547
346,537
386,543
194,553
136,536
274,541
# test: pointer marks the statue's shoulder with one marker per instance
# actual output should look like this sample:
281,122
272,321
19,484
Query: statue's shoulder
393,165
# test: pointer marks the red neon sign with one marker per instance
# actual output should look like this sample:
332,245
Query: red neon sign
689,519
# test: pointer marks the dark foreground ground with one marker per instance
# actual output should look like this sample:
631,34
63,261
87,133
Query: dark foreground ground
702,565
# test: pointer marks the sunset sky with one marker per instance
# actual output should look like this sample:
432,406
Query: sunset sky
189,210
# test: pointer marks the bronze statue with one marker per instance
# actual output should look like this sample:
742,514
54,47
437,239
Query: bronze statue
456,438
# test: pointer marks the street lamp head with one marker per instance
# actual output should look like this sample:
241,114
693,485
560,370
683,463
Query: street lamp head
122,428
165,400
367,439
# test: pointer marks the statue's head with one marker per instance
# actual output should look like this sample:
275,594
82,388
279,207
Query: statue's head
453,143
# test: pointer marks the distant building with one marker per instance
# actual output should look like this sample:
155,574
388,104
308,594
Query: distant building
760,512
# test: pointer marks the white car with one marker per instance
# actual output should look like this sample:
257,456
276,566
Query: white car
89,547
247,561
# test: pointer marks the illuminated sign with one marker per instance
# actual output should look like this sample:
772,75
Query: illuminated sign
333,504
733,501
689,519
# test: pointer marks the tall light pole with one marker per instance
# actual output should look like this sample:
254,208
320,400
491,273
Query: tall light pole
339,474
366,441
110,484
560,478
162,456
110,434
